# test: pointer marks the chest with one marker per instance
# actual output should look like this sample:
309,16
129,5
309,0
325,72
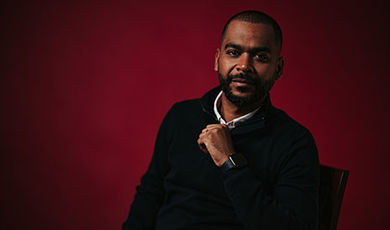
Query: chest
192,168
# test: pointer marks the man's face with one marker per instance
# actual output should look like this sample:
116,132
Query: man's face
248,62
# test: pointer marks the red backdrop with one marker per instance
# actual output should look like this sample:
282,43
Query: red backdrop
85,86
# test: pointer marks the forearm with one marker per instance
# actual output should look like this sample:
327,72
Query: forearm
287,207
150,193
146,204
283,196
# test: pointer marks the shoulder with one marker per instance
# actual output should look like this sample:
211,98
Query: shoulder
295,140
183,111
284,123
186,107
179,113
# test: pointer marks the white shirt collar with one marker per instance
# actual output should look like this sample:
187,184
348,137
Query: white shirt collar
231,124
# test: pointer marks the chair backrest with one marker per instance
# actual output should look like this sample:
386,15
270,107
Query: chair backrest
332,187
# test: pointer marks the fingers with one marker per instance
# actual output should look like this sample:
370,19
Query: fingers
201,141
213,128
216,126
202,145
209,133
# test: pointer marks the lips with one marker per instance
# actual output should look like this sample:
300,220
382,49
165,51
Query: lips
239,82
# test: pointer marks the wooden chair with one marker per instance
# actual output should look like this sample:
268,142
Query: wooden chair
332,187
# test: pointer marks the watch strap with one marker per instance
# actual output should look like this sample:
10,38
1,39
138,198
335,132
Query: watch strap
234,161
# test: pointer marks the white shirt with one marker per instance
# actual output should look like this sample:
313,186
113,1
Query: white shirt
231,124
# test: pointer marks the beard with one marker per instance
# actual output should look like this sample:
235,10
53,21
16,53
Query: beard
259,91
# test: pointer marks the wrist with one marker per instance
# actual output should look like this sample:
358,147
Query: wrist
234,161
221,161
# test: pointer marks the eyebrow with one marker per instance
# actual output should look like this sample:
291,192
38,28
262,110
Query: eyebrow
254,50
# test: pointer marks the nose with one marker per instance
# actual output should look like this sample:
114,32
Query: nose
244,63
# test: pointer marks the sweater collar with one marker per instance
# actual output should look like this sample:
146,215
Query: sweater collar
233,123
256,121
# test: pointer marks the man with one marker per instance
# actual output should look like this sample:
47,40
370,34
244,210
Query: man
230,160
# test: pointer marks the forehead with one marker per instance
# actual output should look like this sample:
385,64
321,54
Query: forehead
249,34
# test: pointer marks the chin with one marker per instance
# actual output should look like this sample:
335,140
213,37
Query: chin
241,92
243,96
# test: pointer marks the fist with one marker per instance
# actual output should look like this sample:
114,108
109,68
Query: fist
216,140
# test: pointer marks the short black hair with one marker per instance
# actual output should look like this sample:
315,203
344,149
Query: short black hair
254,16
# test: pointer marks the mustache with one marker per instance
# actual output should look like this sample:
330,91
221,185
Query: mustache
242,76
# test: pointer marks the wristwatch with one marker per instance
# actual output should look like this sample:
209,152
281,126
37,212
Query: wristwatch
235,161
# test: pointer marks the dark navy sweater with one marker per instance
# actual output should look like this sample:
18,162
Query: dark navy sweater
184,189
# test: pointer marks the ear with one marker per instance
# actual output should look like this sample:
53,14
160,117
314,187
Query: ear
279,68
216,66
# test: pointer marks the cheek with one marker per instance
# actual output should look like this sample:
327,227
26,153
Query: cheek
265,72
225,66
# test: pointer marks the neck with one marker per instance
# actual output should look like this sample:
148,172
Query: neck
230,111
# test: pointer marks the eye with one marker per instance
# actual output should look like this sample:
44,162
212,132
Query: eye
233,53
261,57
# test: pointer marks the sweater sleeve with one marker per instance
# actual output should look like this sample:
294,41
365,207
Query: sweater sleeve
150,193
293,202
